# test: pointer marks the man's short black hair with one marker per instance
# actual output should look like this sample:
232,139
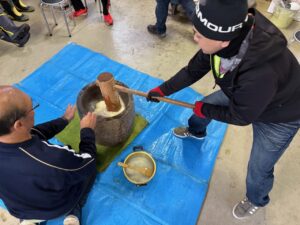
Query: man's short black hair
8,119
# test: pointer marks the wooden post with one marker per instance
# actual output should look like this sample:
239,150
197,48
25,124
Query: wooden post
110,95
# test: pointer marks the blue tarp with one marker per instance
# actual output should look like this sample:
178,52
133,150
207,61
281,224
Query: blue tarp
184,166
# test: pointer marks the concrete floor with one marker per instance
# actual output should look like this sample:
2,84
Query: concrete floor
128,42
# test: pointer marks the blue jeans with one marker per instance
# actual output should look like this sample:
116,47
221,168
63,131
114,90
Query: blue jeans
161,12
189,7
270,140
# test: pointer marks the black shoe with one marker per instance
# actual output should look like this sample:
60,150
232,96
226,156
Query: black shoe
152,29
25,9
21,18
21,32
183,132
22,7
20,42
19,37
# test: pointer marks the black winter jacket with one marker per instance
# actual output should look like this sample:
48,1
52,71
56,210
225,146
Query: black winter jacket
43,181
264,87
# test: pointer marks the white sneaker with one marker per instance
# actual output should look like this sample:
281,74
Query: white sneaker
71,220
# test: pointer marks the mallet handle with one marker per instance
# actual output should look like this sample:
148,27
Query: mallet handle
163,99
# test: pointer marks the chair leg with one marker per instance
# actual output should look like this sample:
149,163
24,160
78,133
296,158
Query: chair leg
47,24
70,11
66,22
85,4
100,9
53,14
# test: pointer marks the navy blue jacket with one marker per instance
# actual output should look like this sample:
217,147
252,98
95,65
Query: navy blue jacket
39,180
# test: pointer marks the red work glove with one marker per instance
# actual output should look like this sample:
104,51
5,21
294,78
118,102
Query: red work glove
155,92
198,109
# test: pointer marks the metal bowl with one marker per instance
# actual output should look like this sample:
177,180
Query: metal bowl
139,159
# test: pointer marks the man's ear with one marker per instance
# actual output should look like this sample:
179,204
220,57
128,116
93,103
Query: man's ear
225,44
17,125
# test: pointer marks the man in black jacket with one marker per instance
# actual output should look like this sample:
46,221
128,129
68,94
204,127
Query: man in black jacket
41,181
260,85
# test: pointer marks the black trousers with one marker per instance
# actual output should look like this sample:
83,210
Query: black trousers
8,6
77,4
87,187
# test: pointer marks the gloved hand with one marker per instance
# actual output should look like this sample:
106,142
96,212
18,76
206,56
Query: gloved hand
155,92
198,109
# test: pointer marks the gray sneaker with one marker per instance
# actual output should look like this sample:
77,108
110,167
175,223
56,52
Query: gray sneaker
183,132
244,209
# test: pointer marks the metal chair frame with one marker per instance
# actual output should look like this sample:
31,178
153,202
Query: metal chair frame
63,6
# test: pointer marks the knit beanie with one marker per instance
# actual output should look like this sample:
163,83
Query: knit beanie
220,19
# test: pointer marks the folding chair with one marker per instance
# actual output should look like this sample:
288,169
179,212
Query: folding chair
63,6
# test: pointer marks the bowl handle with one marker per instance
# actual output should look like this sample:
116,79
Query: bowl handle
138,148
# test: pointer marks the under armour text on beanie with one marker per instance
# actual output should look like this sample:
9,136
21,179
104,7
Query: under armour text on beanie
220,19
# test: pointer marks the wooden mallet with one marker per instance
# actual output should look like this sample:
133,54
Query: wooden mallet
106,82
110,94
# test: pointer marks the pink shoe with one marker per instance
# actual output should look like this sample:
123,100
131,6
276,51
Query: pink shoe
80,12
108,20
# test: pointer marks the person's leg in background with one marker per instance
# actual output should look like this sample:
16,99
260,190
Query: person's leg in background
11,33
12,11
22,7
174,5
189,7
161,13
79,8
197,126
270,140
108,20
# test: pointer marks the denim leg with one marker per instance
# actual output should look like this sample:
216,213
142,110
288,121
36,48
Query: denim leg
198,125
189,7
270,140
161,13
